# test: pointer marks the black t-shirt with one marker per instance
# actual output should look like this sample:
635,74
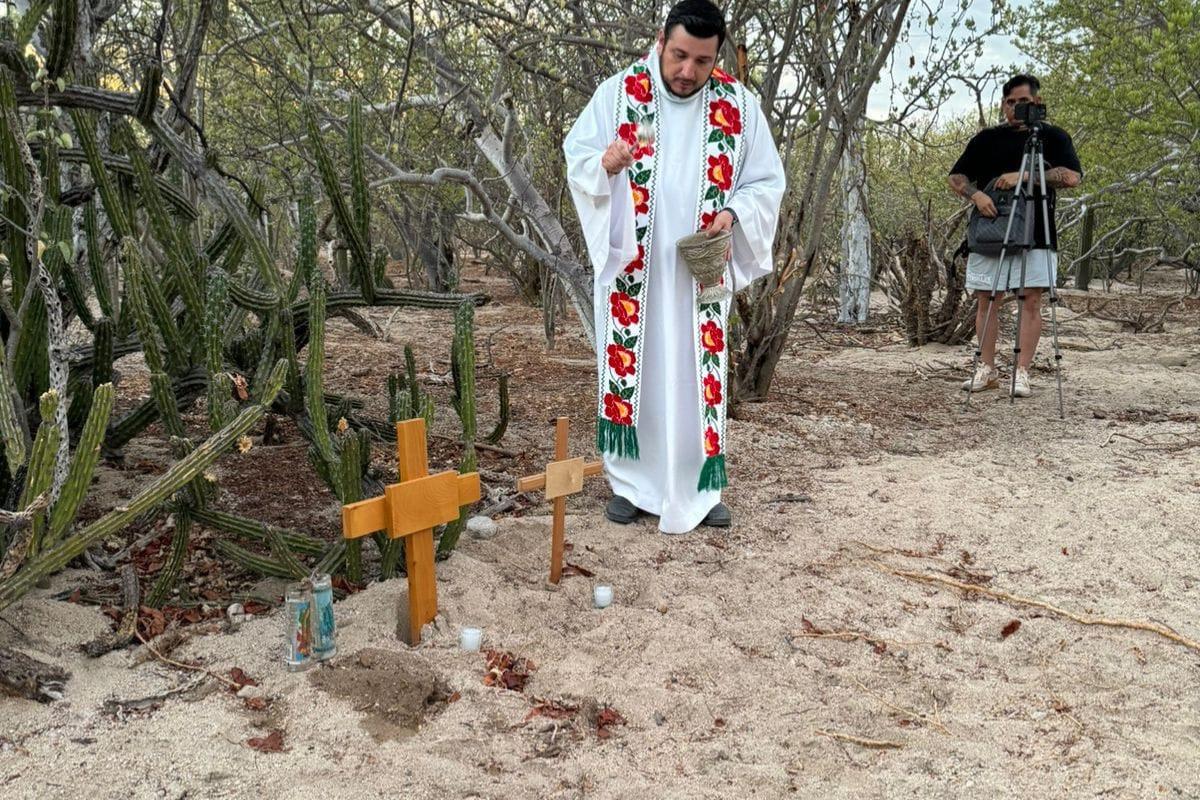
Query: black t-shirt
994,151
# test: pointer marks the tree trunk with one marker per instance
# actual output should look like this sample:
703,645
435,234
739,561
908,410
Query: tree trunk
855,282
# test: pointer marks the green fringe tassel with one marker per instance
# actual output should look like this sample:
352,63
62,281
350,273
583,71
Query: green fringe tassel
712,476
618,440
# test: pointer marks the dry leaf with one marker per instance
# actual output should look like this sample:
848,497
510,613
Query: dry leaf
454,698
1009,629
575,569
808,627
606,719
239,386
241,678
271,743
256,703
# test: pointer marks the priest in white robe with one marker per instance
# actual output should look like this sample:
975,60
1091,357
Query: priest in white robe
670,146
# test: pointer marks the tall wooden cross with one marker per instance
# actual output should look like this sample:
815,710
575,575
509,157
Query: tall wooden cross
562,477
410,510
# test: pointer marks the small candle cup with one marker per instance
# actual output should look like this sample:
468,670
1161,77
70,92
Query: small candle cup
469,639
602,596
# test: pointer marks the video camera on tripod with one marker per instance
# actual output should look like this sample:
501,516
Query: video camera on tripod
1030,113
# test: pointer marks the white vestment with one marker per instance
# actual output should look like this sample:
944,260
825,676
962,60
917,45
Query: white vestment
663,480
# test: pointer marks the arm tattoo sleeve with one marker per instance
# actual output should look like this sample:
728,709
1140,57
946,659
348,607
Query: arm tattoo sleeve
962,186
1060,177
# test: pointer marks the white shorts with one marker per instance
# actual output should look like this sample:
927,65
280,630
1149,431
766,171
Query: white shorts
1040,265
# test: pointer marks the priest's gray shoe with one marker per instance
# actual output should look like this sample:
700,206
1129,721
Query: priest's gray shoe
621,511
719,517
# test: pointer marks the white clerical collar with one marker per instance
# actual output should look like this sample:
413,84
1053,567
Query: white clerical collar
663,89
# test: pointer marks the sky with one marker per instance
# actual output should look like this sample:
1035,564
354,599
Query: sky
998,51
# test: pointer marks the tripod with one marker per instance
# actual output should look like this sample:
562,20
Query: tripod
1032,156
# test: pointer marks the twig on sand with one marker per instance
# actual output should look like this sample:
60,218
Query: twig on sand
939,580
179,664
874,744
935,719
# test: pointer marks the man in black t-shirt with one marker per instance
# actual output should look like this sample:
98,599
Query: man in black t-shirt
993,156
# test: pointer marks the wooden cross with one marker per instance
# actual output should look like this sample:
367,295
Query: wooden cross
562,477
410,510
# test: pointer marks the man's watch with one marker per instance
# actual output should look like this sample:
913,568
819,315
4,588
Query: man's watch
732,213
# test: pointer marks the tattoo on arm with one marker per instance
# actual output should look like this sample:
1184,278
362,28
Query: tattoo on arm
962,186
1062,178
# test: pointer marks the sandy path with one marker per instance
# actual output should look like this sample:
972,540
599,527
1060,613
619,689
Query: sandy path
699,655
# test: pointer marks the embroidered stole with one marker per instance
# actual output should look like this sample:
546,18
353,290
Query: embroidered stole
620,385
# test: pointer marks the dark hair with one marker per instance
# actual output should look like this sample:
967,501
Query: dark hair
1017,81
700,18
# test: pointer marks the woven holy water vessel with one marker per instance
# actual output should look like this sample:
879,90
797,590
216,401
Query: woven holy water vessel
705,259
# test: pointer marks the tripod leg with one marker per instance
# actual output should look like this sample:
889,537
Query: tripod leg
1052,284
1012,389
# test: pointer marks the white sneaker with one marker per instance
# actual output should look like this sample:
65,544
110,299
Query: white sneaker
1021,385
986,377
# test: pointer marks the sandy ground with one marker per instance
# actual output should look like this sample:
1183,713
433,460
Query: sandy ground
784,657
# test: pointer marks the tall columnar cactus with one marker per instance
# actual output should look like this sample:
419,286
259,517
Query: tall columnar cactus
462,364
347,228
502,422
97,270
220,388
62,38
12,426
314,397
165,582
360,197
40,474
83,465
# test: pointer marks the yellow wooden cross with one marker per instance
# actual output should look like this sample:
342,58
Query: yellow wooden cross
562,477
410,510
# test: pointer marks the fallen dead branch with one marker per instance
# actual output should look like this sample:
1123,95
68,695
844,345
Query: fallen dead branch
180,665
874,744
939,580
934,719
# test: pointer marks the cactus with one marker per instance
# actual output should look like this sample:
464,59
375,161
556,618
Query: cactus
83,465
347,228
135,303
11,426
365,265
95,260
414,388
40,473
283,555
502,423
462,364
256,563
28,25
62,38
314,398
102,352
181,473
256,531
147,100
181,256
85,129
220,389
165,582
306,256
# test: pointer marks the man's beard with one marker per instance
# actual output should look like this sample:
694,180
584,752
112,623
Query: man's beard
667,84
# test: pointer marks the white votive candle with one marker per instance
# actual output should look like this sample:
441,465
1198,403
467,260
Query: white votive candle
469,639
603,596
